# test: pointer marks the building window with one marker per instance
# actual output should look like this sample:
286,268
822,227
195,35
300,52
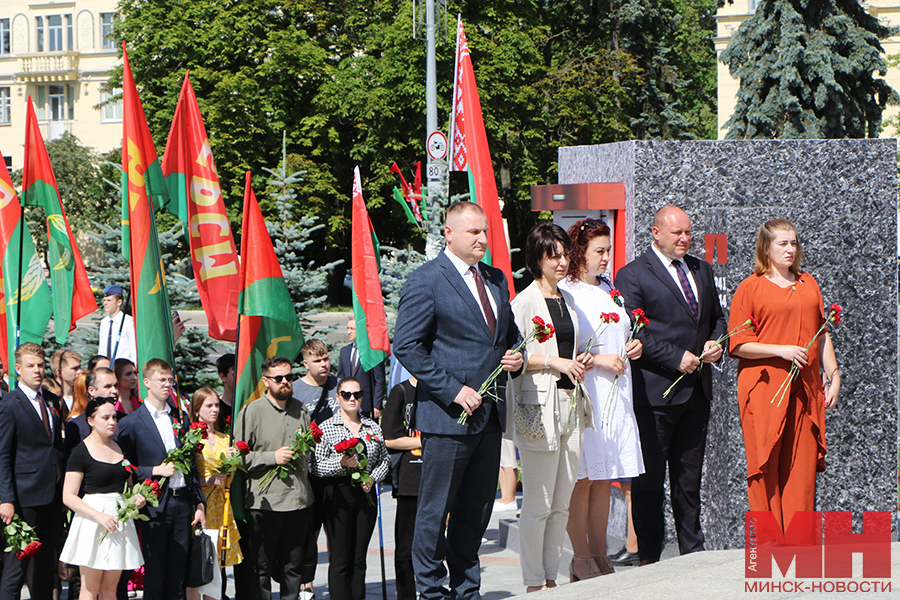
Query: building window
752,6
39,24
5,114
111,111
70,34
55,33
8,161
106,31
50,38
55,102
5,37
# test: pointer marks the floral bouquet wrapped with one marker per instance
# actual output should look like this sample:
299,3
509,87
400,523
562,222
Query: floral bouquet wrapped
191,441
541,332
230,461
834,316
21,539
748,324
304,441
358,474
640,320
146,492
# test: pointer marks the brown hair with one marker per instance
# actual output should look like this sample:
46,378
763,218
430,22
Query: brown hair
764,239
541,243
275,361
345,381
155,365
461,206
581,233
31,349
314,349
197,401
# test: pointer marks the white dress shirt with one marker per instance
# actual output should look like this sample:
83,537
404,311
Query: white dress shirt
163,421
673,271
127,347
35,397
469,278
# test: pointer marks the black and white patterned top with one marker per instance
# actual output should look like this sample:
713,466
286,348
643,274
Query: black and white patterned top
328,462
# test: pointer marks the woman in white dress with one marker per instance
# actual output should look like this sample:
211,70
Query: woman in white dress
99,464
612,449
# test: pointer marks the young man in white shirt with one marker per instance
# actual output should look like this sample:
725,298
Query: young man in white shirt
117,338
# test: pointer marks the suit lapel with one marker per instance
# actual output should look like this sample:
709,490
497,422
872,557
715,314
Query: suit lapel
661,273
149,423
26,406
458,283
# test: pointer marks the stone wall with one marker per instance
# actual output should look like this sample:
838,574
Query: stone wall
842,196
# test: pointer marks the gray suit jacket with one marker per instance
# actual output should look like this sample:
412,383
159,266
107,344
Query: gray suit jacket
442,339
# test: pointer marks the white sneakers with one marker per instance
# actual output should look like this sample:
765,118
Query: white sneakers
502,507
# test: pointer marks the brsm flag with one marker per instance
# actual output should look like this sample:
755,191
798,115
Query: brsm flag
72,295
149,297
28,289
196,198
469,152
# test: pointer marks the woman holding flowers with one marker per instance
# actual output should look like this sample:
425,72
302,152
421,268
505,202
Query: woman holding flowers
784,425
546,407
612,449
213,480
351,457
99,466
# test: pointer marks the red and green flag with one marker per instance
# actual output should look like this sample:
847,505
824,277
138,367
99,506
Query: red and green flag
469,152
29,289
372,341
268,323
72,295
149,297
193,184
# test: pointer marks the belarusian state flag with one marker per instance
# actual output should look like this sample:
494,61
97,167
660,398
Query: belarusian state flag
72,295
149,297
30,290
469,152
372,340
197,197
268,323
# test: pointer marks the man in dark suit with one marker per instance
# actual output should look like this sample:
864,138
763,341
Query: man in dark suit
371,381
146,436
678,294
31,466
454,326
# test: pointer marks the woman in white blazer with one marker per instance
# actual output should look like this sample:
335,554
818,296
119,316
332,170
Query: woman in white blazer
547,407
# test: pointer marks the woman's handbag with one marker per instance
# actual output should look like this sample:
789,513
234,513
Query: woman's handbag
201,560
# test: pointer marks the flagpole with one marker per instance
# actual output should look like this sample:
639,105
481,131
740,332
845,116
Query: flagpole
19,290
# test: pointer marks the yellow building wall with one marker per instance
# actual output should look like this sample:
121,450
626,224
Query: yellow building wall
74,60
729,18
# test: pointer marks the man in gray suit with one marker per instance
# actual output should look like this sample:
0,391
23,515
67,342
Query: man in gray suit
454,326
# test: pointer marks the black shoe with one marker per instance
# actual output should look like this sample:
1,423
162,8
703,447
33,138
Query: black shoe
624,558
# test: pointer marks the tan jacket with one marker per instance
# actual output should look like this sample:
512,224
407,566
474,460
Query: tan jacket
538,386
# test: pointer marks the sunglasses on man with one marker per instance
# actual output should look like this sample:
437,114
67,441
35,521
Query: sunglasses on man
278,378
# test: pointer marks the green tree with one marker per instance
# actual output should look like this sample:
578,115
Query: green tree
807,70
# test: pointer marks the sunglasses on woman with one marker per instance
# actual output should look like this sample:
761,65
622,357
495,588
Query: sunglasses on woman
347,395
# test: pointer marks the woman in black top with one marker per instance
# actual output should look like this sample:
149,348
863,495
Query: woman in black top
98,464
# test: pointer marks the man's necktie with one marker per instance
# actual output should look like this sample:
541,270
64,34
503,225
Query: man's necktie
686,288
45,417
485,303
109,347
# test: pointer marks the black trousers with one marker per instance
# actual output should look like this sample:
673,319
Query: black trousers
349,521
673,436
47,522
310,544
278,541
245,578
165,540
404,530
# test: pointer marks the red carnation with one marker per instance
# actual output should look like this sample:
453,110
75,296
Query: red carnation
242,446
316,432
835,313
539,322
228,419
754,324
616,296
30,550
639,317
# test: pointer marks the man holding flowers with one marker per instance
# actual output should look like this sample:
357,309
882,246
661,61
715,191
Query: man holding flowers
454,326
279,498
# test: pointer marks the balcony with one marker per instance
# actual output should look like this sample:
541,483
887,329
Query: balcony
48,67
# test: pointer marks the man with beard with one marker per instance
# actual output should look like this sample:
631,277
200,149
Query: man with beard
279,514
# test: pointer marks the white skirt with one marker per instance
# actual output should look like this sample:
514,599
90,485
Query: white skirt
119,551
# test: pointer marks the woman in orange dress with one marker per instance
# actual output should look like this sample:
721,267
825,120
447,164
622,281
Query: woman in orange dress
785,443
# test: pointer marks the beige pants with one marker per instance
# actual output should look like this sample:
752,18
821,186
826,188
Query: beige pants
548,479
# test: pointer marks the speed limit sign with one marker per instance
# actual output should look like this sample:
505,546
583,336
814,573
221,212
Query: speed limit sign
436,145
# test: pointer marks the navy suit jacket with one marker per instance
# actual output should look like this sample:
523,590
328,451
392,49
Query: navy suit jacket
645,283
28,460
441,338
371,381
139,439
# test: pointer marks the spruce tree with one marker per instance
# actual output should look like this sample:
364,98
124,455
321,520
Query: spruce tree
807,70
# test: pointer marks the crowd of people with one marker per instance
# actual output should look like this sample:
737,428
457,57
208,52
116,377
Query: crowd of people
616,392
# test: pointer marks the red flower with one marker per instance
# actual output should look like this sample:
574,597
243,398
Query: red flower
200,447
345,445
754,324
30,550
242,446
639,317
228,419
316,432
149,482
539,322
834,313
616,296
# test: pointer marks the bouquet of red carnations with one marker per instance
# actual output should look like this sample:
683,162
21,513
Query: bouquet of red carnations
358,474
304,441
148,490
21,539
640,320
